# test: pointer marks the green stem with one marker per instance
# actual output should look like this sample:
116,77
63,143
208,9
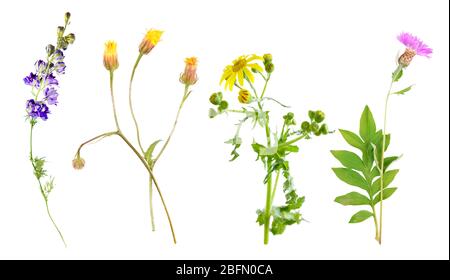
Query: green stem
150,194
131,103
375,221
40,184
383,148
111,86
274,188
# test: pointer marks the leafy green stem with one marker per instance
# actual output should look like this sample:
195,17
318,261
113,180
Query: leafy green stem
44,195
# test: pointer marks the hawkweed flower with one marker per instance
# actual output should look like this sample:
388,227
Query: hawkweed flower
44,84
189,76
414,46
151,39
110,59
241,69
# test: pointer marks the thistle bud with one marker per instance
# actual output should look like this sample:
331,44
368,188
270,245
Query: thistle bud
315,128
319,116
269,67
223,105
406,58
110,60
244,96
189,76
216,98
267,57
306,127
311,115
151,39
70,38
78,162
323,129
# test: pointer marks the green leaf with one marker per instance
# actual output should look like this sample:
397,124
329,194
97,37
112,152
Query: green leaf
403,91
212,113
349,159
352,198
378,140
397,75
289,148
389,176
386,194
367,127
387,162
360,216
352,139
263,151
261,217
351,177
149,152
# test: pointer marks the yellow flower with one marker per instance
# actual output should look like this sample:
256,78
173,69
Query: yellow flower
239,70
244,96
189,76
110,60
151,39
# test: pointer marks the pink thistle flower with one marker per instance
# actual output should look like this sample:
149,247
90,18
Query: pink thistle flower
414,46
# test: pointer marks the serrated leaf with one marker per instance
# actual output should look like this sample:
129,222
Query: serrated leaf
260,217
349,159
367,127
403,91
360,216
353,198
352,139
149,152
351,177
389,176
386,194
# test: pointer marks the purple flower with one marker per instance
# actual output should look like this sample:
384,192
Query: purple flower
31,80
60,67
40,66
58,56
415,44
37,110
51,95
51,80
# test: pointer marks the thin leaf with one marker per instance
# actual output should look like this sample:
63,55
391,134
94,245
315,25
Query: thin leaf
353,199
403,91
149,152
352,139
351,177
386,194
360,216
349,159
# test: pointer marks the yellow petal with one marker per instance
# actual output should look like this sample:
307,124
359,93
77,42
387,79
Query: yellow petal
241,77
249,75
255,66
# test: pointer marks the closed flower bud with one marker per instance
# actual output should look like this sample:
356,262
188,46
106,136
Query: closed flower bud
306,127
50,49
110,60
311,115
60,31
269,67
244,96
189,76
70,38
216,98
223,105
319,116
317,133
267,57
151,39
315,127
406,58
67,17
324,129
78,162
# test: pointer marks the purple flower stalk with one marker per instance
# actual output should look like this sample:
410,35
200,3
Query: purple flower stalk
414,46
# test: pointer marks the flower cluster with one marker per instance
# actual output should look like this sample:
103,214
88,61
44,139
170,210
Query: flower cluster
43,81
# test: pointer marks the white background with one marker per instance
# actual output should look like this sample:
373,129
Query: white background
331,55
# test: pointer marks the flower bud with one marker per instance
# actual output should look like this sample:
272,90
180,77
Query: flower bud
244,96
406,58
189,76
311,115
324,129
315,128
78,162
110,60
60,31
319,116
66,17
223,105
216,98
151,39
50,49
269,67
70,38
306,127
267,57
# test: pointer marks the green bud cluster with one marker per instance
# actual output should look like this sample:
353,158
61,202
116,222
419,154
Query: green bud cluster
268,65
315,124
217,100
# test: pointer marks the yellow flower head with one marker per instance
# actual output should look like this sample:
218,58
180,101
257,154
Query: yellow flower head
189,76
110,60
241,69
151,39
244,96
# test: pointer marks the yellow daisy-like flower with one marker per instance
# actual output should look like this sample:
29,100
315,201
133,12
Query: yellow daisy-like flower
189,76
110,60
244,96
151,39
240,69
